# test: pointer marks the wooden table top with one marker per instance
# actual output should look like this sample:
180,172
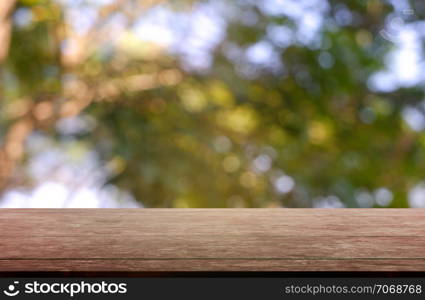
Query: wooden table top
168,240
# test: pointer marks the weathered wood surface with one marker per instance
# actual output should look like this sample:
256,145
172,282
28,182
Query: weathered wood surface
144,240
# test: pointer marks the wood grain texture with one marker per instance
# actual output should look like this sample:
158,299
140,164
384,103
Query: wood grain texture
152,240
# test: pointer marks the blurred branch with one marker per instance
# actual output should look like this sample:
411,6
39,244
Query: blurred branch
41,114
98,32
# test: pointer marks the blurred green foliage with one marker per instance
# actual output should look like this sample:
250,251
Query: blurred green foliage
303,127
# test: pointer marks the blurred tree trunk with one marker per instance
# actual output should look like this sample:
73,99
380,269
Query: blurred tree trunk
6,7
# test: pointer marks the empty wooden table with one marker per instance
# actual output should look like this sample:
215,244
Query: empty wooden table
180,240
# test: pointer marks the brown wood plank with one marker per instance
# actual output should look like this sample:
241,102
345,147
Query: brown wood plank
142,240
